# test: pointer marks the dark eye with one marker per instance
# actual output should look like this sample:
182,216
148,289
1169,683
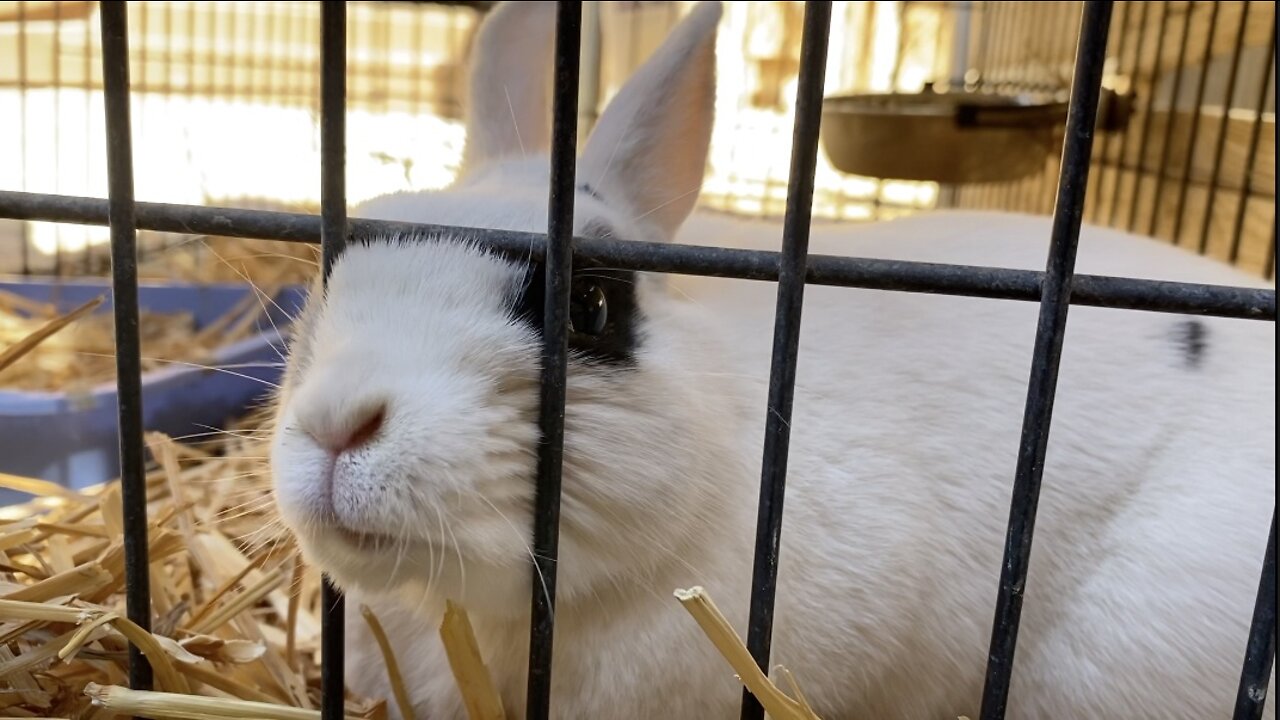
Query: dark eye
588,309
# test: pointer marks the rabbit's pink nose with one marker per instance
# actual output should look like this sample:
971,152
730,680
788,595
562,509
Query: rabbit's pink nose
356,432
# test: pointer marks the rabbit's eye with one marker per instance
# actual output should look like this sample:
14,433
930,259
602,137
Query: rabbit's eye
588,310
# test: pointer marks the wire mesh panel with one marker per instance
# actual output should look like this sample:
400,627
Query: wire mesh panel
1055,290
1187,125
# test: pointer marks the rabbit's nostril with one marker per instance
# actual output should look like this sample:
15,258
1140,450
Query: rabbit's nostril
366,425
367,429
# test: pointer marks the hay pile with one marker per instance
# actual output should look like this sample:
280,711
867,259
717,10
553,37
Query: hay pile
73,352
237,613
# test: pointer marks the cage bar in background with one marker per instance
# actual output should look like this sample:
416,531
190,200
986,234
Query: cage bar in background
124,291
555,338
1202,81
1068,213
1181,85
786,337
333,238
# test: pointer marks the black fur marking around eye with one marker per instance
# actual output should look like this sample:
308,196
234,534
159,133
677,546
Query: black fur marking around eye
615,343
1192,339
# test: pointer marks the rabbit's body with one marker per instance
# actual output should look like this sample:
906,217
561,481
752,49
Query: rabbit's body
1152,522
404,457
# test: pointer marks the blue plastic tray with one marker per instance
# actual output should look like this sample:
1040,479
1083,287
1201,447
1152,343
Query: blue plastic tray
71,439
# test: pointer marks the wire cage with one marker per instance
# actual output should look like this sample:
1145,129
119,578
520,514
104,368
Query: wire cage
1169,165
1189,156
336,80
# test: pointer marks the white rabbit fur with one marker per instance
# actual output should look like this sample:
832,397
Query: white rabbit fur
1153,516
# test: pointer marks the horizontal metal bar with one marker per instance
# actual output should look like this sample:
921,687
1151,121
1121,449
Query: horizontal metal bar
934,278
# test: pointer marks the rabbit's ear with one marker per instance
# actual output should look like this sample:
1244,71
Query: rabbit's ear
649,149
508,90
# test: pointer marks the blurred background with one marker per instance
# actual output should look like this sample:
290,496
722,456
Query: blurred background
225,107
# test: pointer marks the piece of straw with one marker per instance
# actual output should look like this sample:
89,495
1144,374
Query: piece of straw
478,693
175,706
11,354
389,658
717,629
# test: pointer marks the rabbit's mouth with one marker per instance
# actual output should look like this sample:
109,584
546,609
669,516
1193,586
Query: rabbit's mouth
363,540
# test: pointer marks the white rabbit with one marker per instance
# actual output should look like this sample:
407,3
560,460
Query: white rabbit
404,456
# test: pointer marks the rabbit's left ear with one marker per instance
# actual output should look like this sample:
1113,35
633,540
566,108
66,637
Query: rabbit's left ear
508,91
649,149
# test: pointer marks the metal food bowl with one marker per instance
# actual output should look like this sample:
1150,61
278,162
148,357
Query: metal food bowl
950,138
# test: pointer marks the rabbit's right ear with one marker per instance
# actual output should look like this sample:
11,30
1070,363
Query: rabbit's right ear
649,150
508,91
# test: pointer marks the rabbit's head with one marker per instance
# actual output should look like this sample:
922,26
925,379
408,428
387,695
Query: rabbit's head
405,448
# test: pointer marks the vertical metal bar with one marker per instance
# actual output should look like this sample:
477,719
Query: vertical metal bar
1102,158
1140,163
546,515
1006,45
1063,55
333,132
233,52
57,127
1091,55
1220,142
983,50
962,12
1043,36
87,259
999,49
271,46
786,336
191,50
281,40
284,92
142,84
1260,653
1270,265
381,17
1185,181
1170,123
143,18
211,80
1255,134
22,127
124,295
1117,177
169,35
419,43
167,87
333,238
260,38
